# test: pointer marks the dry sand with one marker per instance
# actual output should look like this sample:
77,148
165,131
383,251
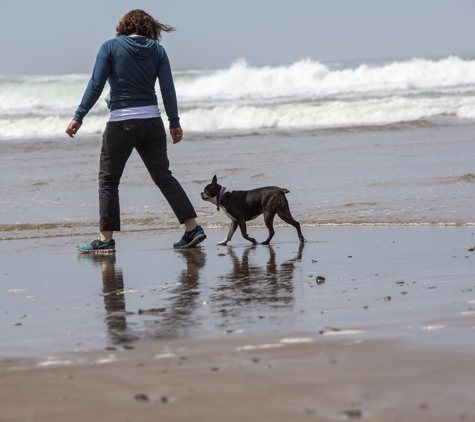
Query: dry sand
376,368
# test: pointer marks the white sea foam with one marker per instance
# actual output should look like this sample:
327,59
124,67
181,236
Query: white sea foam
305,94
309,79
328,114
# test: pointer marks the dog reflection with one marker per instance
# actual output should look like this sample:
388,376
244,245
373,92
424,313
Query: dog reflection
250,286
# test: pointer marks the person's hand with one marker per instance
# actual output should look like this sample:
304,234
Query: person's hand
177,134
73,128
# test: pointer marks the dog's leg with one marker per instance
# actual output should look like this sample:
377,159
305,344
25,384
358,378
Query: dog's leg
232,229
285,214
242,226
269,220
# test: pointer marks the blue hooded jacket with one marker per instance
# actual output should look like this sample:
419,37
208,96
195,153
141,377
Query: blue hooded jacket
132,66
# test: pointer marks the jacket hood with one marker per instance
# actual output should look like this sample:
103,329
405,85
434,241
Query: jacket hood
141,47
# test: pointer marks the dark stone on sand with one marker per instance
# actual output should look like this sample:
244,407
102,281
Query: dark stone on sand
349,256
128,346
320,280
346,415
387,298
18,323
140,397
471,248
164,399
215,369
255,360
151,311
111,348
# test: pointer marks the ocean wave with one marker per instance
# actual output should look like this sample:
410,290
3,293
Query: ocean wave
308,79
326,114
305,94
330,114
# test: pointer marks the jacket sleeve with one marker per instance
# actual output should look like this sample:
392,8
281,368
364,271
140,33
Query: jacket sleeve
167,89
96,84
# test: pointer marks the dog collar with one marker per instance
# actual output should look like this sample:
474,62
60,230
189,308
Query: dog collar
220,196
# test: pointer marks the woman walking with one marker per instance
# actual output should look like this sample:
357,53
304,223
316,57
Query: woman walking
131,63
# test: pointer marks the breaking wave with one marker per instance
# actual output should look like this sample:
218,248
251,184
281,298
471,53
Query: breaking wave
306,94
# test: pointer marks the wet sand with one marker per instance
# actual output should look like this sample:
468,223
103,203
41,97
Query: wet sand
216,380
227,333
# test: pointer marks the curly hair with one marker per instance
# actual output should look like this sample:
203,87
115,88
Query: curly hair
141,23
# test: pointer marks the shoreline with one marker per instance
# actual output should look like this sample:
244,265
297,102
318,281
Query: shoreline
144,225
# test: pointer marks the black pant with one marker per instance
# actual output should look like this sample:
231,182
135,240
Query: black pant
148,137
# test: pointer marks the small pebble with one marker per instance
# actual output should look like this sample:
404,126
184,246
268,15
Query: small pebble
471,248
320,280
387,298
350,414
141,397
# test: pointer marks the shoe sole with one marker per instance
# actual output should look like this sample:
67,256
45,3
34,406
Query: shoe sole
198,239
98,251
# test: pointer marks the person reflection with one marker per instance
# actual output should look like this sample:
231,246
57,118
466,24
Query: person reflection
114,300
250,284
183,300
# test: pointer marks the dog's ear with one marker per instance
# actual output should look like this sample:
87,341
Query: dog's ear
215,180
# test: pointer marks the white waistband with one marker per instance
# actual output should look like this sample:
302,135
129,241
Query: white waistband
145,112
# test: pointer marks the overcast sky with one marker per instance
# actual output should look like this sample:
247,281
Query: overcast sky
63,36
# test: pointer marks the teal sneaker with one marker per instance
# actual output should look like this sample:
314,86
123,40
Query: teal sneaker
98,247
191,238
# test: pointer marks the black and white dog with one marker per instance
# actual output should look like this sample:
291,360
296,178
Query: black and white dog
242,206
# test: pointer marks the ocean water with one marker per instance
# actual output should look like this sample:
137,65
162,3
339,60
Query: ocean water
356,144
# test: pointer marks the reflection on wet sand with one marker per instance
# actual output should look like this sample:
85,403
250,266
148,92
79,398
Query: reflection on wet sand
183,301
247,288
251,287
114,300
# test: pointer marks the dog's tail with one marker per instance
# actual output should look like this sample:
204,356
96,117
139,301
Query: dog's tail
284,190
